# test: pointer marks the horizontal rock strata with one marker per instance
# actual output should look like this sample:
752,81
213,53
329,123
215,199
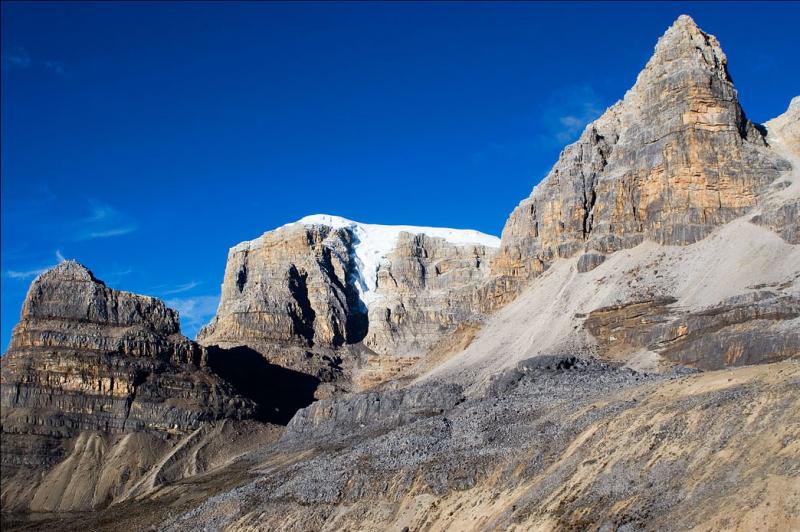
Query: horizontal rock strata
85,359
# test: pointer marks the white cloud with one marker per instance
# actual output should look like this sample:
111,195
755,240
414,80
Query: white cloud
117,231
56,67
181,288
17,57
33,272
567,112
28,274
104,221
194,311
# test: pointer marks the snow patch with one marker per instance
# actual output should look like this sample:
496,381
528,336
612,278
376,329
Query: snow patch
374,243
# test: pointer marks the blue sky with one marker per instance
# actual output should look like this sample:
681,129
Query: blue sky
145,139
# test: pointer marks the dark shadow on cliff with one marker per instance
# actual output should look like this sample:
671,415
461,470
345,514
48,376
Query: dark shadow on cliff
278,391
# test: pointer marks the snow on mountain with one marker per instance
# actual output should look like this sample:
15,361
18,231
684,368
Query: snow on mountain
375,242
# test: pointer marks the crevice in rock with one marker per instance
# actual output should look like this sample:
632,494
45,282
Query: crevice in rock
303,322
241,278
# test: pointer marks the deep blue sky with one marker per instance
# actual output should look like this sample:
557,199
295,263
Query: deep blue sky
145,139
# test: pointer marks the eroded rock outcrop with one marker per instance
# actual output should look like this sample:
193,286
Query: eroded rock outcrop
780,207
291,295
326,294
93,363
758,327
670,162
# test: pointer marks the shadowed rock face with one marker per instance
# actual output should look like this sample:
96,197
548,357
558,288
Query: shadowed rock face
86,357
670,162
290,285
290,295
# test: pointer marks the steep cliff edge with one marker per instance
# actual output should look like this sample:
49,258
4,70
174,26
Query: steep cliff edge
335,298
675,158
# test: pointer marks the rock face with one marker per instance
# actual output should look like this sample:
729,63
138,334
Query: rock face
670,162
352,416
754,328
315,294
426,288
88,359
780,208
291,296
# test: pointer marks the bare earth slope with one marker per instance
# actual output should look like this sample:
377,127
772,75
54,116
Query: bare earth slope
555,445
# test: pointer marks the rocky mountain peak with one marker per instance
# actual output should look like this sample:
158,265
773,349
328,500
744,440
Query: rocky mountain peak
685,42
670,162
70,291
68,270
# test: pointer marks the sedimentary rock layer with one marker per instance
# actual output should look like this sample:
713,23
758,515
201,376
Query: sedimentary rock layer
85,359
670,162
305,294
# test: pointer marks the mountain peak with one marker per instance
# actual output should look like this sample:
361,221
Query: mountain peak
69,270
684,23
685,44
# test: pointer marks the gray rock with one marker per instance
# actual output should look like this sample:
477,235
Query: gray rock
670,162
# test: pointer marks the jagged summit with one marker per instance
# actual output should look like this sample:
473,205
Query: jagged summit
70,291
684,39
675,158
327,281
69,270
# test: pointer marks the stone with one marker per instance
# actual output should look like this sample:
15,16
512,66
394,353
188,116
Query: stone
330,297
755,328
86,359
675,158
589,261
780,208
291,296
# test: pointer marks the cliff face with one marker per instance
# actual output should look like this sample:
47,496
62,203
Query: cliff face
426,288
670,162
88,359
332,297
290,296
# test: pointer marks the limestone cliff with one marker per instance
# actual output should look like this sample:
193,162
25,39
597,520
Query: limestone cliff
675,158
85,359
325,293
